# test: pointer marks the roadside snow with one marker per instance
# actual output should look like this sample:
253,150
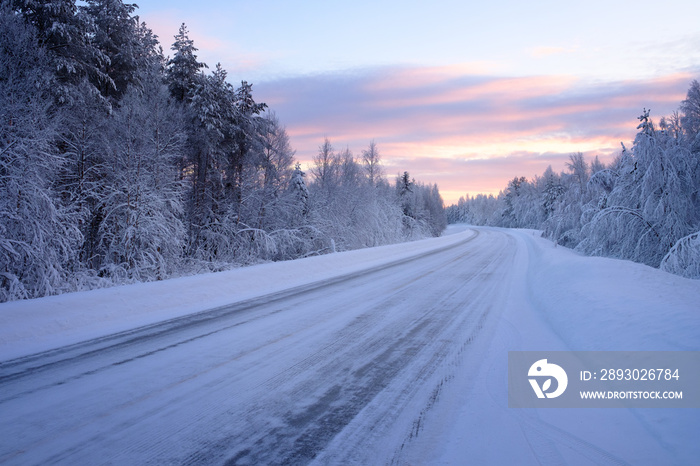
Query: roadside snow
32,326
602,304
566,301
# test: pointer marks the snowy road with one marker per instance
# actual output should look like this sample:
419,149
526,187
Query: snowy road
402,362
269,381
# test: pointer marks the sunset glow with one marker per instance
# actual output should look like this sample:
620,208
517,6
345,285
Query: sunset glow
480,95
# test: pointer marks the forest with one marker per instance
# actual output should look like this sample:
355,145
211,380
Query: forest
121,164
643,206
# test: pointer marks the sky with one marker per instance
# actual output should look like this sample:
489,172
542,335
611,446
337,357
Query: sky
463,94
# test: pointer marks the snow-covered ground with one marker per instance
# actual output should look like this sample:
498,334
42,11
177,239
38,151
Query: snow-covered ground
31,326
564,301
392,354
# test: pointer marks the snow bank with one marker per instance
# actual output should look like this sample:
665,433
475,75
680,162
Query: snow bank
560,300
603,304
42,324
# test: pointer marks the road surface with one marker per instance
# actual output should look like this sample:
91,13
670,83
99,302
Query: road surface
346,370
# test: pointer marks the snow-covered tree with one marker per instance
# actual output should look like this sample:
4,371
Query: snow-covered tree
65,34
690,109
226,142
422,206
684,257
649,208
119,165
512,201
371,160
269,173
84,169
129,47
38,236
325,166
299,197
644,206
553,190
142,235
183,68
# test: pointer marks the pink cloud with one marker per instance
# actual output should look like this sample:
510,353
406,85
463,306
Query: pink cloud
463,130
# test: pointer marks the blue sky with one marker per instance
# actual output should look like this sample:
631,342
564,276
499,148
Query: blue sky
462,94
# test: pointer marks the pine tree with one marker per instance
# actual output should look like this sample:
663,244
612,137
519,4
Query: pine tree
65,33
553,190
512,194
129,47
183,69
300,196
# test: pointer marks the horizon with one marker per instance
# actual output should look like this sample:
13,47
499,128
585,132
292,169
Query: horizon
465,97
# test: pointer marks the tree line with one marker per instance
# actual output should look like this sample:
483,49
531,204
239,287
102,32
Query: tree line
643,206
119,164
